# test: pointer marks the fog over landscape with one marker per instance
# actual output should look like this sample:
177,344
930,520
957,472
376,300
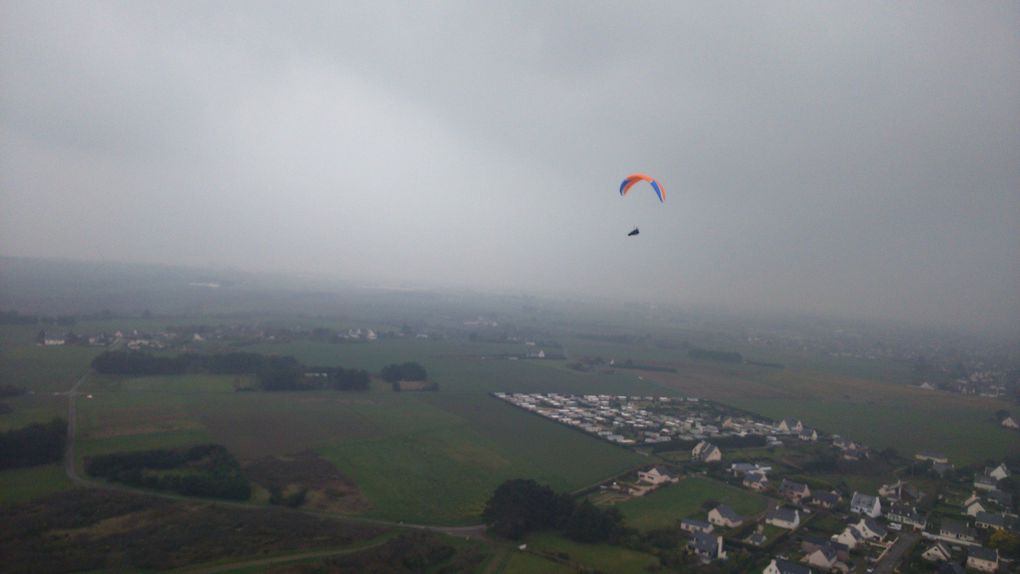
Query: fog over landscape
849,159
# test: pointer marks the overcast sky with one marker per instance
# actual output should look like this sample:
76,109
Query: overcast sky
857,159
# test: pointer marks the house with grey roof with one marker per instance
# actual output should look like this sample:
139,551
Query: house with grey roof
707,546
953,530
695,525
983,559
794,491
866,504
788,518
906,514
723,515
825,499
991,520
939,552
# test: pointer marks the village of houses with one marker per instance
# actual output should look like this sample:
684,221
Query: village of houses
928,516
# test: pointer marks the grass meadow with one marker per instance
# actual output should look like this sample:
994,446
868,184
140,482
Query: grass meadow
666,506
24,484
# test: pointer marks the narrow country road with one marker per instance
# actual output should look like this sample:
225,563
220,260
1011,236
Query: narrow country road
892,558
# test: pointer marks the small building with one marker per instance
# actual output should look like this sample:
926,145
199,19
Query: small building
991,521
54,340
756,481
906,514
707,546
937,553
788,518
694,525
1000,472
808,435
850,537
825,499
794,491
932,456
953,530
866,504
984,481
705,451
780,566
758,538
723,515
871,530
790,426
1010,423
825,557
983,559
657,475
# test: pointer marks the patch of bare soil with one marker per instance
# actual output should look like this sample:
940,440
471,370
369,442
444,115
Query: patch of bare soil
327,488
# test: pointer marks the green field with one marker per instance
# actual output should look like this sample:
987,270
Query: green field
602,557
666,506
525,563
421,457
23,484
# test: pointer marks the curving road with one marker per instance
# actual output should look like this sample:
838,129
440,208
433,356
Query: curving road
476,531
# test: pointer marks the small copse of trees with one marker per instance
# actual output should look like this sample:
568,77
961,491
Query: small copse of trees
207,470
520,506
35,444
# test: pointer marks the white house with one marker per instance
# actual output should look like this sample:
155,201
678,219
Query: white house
787,518
723,515
937,553
866,504
657,475
790,426
871,530
705,451
983,559
850,537
1000,472
1010,423
794,491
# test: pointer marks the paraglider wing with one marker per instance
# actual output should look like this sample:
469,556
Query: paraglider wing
633,233
636,177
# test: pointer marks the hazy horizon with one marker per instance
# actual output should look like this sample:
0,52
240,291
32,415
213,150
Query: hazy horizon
857,160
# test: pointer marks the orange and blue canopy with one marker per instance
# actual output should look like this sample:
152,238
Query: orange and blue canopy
636,177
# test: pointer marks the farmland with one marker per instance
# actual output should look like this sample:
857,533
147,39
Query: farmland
666,506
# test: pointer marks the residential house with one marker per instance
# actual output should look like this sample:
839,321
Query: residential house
973,506
809,435
1003,499
794,491
705,451
906,514
657,475
983,559
871,530
53,340
707,546
951,568
788,518
984,481
956,531
825,499
723,515
780,566
939,552
932,456
1010,423
756,481
866,504
695,525
851,537
1000,472
825,557
991,521
789,426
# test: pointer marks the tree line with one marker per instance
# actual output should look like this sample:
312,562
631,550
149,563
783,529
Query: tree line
35,444
272,373
520,506
207,470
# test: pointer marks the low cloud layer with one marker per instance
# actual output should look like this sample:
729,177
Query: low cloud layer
858,159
